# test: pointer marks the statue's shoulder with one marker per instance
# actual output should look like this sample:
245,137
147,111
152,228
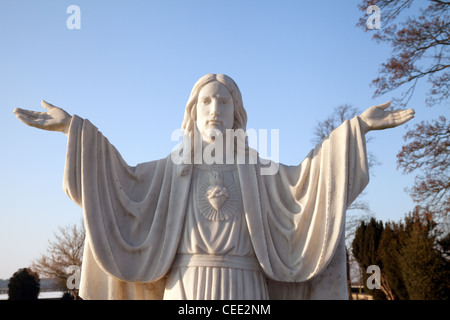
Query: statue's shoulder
152,165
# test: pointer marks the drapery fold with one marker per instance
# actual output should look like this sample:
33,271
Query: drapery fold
134,215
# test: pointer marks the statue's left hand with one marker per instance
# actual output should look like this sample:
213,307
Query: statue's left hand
55,119
378,118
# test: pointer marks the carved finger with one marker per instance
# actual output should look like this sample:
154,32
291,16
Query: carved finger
19,111
402,117
47,105
409,112
30,114
405,114
384,106
27,121
406,118
40,122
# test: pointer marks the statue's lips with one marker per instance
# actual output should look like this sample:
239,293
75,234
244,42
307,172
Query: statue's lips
215,122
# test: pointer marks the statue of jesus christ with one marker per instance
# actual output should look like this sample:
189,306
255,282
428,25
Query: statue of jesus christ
193,230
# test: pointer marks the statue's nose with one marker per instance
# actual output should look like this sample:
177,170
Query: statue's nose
214,109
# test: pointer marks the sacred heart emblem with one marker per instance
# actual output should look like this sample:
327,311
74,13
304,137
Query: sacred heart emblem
217,195
215,201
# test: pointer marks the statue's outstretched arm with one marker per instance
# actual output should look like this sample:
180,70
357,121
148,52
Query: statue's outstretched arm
55,119
378,118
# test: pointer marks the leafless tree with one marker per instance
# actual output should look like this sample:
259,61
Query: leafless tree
64,251
420,47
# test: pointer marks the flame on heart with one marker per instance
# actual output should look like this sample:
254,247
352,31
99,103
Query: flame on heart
217,195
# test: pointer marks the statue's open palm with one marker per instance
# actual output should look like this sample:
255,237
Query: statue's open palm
55,119
378,118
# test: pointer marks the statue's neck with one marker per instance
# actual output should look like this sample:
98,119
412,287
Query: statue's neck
219,151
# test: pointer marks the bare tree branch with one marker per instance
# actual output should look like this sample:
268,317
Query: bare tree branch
66,250
420,48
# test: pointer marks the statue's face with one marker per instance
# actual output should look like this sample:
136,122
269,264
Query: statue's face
215,110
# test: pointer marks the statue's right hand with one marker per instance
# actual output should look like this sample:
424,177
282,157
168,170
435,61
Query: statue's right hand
56,119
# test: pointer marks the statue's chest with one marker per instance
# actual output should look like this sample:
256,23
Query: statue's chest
214,222
216,195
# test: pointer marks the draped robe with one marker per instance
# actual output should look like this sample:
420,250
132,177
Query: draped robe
134,216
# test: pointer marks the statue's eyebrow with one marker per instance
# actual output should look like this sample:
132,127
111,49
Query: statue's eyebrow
217,96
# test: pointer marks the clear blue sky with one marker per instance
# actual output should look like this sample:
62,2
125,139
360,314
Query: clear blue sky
131,67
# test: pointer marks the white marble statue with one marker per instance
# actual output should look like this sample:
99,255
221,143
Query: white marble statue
214,231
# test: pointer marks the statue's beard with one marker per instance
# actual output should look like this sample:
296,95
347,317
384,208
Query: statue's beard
211,134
